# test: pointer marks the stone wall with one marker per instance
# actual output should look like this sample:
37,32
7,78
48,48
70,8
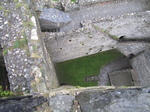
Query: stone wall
23,104
131,26
83,42
141,65
100,99
27,62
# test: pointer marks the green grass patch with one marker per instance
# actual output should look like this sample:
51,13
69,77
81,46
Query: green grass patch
9,93
73,72
73,0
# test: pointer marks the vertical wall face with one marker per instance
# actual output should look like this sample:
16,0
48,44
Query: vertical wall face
83,42
27,62
141,65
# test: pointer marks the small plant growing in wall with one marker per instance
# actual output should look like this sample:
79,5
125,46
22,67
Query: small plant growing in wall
8,93
1,8
20,43
106,32
5,52
16,1
73,0
28,24
5,93
19,5
34,47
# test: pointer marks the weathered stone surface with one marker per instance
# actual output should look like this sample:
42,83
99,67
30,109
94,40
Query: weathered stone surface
134,25
23,49
14,42
70,7
121,78
122,63
105,11
76,107
90,2
125,100
51,18
61,103
134,48
141,65
58,4
21,104
83,42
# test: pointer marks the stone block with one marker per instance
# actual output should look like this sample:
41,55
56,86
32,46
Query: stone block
61,103
51,18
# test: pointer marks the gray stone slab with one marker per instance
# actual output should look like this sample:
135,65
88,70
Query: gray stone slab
124,100
121,78
53,18
92,78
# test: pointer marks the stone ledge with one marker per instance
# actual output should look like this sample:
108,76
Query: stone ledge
21,104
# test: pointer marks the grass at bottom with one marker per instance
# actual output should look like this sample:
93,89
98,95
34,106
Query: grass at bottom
73,72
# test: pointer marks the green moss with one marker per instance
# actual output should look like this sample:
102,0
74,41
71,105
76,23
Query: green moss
113,36
73,0
26,6
6,49
7,11
16,1
34,47
1,8
96,27
106,32
28,24
73,72
19,5
20,43
5,52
